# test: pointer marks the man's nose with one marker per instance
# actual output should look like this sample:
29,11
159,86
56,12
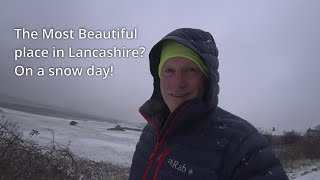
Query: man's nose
180,80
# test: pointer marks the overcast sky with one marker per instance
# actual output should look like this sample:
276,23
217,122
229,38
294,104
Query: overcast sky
268,52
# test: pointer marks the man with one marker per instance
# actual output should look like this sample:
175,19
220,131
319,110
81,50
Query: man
188,136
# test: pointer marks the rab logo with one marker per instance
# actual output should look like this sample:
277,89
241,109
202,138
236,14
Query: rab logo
176,165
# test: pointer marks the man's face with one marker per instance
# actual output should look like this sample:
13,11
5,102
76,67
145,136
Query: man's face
181,80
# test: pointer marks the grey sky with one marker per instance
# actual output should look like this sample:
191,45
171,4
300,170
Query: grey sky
269,50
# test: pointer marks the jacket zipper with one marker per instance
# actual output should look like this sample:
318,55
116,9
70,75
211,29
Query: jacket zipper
161,158
151,159
155,151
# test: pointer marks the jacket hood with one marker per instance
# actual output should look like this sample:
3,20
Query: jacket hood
204,45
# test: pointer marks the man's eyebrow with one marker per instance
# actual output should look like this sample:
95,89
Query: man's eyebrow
191,65
165,66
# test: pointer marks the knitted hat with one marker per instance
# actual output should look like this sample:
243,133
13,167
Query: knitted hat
173,49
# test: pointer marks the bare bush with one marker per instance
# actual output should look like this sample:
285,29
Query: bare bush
274,140
293,147
290,138
21,158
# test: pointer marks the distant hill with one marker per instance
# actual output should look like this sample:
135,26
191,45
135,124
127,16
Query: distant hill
46,110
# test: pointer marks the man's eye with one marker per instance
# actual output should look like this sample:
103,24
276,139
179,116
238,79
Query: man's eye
192,70
169,71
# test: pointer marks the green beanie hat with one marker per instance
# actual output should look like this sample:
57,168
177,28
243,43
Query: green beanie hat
173,49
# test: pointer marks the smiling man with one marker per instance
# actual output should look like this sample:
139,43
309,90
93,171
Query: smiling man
180,74
188,136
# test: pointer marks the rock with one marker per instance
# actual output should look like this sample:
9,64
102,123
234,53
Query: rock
73,123
117,128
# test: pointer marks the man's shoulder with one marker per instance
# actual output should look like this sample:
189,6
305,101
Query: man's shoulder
148,131
231,125
252,155
233,120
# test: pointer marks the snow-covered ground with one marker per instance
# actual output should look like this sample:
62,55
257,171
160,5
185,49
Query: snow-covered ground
305,170
92,140
312,176
89,139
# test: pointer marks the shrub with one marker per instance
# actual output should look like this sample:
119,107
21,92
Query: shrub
290,138
273,139
21,158
292,147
